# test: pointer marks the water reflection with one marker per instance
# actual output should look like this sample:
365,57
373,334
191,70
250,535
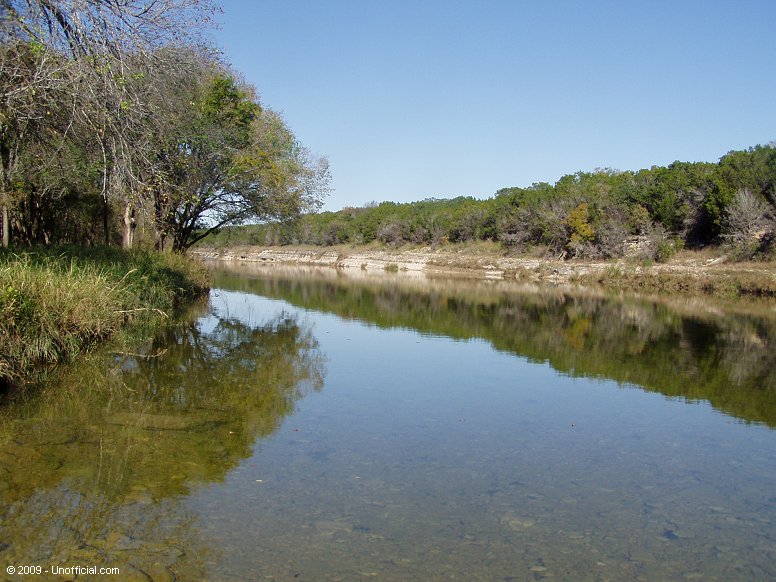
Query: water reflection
92,469
695,350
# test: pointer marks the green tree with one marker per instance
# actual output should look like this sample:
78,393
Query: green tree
227,161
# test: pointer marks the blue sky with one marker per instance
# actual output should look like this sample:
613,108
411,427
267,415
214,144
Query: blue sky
418,99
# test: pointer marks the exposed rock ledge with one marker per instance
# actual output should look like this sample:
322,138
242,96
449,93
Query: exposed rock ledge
431,261
689,274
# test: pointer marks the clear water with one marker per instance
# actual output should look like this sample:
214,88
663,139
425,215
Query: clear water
311,426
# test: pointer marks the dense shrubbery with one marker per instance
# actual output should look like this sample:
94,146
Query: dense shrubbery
586,215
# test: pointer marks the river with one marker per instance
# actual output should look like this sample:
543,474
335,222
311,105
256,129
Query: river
310,425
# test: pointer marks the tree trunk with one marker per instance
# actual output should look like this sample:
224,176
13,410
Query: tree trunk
6,227
106,220
128,240
5,165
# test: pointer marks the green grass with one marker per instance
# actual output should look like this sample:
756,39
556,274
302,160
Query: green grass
56,302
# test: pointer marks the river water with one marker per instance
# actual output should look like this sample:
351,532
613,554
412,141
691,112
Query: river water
308,425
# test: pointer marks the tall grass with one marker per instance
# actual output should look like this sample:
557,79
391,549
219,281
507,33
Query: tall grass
57,302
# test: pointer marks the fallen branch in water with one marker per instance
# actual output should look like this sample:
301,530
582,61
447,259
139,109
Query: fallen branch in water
142,309
147,356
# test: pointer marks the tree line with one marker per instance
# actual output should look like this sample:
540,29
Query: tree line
120,123
600,214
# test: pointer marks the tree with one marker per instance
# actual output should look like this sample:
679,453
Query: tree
746,223
228,160
753,170
29,80
94,46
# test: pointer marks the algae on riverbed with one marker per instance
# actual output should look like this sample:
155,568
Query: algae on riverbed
95,471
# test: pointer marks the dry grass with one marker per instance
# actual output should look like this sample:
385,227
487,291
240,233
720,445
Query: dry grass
721,282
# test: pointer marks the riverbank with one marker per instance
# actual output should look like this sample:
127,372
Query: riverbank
688,272
57,302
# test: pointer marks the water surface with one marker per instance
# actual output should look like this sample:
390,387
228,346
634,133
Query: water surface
307,425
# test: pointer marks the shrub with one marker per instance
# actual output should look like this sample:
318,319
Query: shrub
667,248
579,225
612,233
639,221
391,234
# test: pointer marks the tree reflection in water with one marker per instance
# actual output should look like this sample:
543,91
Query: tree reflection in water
695,350
95,467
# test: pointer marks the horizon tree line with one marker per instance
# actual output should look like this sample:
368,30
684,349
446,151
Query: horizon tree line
601,214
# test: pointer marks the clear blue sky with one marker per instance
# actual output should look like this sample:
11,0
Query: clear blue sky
418,99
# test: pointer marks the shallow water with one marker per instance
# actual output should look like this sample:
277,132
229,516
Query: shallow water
311,426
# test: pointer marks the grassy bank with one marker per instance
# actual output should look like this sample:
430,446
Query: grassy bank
56,302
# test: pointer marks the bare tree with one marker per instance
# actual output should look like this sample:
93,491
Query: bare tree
745,216
98,45
29,83
746,224
519,228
